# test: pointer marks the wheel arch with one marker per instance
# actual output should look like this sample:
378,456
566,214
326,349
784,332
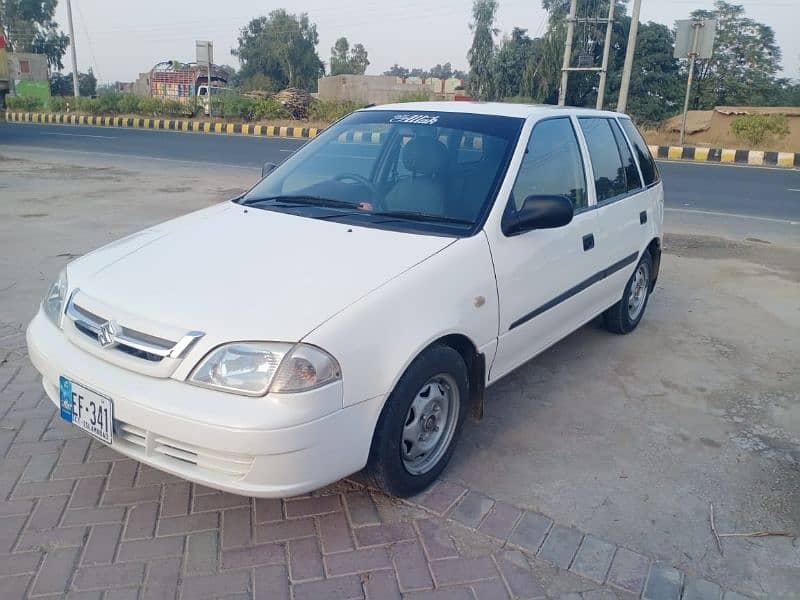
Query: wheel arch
654,248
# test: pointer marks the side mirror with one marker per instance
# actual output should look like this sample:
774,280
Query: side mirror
538,212
267,169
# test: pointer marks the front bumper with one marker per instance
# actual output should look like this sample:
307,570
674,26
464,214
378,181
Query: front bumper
275,446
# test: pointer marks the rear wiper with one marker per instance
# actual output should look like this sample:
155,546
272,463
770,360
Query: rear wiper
304,200
420,216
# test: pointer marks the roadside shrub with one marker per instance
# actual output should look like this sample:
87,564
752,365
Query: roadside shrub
128,104
159,107
269,108
231,105
90,106
331,110
108,103
756,129
26,103
58,104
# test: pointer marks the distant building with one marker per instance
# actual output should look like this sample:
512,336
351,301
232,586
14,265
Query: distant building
29,74
382,89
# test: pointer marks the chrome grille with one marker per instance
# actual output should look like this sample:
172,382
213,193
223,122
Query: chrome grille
138,344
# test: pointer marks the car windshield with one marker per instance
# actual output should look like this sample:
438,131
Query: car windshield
424,171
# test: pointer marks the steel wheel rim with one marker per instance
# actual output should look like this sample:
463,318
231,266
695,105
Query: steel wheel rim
638,295
430,424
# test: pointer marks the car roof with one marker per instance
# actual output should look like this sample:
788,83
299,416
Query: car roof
504,109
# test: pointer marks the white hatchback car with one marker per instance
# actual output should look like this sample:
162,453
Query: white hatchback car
351,308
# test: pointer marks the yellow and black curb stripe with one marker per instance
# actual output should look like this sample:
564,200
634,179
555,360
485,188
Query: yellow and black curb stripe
725,156
166,124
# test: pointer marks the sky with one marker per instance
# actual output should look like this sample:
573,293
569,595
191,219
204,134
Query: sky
119,39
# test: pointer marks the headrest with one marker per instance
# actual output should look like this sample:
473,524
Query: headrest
425,155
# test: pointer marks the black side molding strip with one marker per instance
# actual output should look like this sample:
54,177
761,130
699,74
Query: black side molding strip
596,278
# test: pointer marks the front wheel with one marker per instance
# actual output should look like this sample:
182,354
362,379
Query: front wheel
625,315
419,425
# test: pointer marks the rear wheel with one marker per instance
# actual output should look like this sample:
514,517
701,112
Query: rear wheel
625,315
419,425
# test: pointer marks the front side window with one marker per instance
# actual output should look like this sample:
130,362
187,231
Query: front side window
610,178
552,165
423,171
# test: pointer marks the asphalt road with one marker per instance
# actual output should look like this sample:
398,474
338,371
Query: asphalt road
763,193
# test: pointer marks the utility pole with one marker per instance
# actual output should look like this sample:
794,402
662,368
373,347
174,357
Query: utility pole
692,58
562,94
75,89
622,103
601,89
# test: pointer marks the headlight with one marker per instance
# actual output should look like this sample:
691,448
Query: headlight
53,303
255,368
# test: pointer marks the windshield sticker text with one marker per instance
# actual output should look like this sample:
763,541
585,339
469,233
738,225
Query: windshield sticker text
416,119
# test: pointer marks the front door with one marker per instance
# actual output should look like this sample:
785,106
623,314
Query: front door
544,277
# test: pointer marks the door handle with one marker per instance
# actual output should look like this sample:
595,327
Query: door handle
588,242
643,217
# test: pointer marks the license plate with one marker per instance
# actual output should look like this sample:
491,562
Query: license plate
87,409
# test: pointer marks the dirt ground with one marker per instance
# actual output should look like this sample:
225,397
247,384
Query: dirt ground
626,437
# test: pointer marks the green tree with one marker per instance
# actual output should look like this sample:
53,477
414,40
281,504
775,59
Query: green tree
347,61
510,62
30,27
397,71
481,53
61,85
282,47
745,62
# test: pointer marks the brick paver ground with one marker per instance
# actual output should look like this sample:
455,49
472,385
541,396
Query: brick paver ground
78,520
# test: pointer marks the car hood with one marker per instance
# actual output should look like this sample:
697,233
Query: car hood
246,274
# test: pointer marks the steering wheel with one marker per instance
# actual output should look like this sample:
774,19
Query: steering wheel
363,181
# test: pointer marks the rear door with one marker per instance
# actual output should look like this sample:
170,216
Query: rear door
622,206
544,276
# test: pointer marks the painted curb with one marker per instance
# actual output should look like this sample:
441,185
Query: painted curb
758,158
166,124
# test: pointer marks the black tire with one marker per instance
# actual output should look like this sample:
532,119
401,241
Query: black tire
618,319
386,468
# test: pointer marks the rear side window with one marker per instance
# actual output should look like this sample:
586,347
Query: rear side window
632,180
646,162
552,165
610,178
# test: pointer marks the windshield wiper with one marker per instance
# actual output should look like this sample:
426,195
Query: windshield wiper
302,200
420,216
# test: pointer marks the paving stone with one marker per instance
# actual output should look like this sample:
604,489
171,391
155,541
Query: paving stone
213,586
518,575
663,583
81,470
47,513
561,545
93,516
19,563
188,524
458,593
441,497
201,553
335,533
252,556
102,577
118,594
358,561
472,508
61,537
388,533
153,548
176,500
74,451
132,495
305,559
87,492
450,571
101,545
347,587
435,539
268,510
531,531
381,585
149,476
593,559
411,566
271,583
14,508
162,579
700,589
16,586
493,589
38,489
603,594
123,474
735,596
362,508
285,530
315,505
628,571
141,521
219,501
56,571
237,528
39,468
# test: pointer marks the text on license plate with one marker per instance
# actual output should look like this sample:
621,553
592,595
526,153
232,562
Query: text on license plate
87,409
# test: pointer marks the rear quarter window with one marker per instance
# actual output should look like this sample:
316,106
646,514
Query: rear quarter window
646,163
